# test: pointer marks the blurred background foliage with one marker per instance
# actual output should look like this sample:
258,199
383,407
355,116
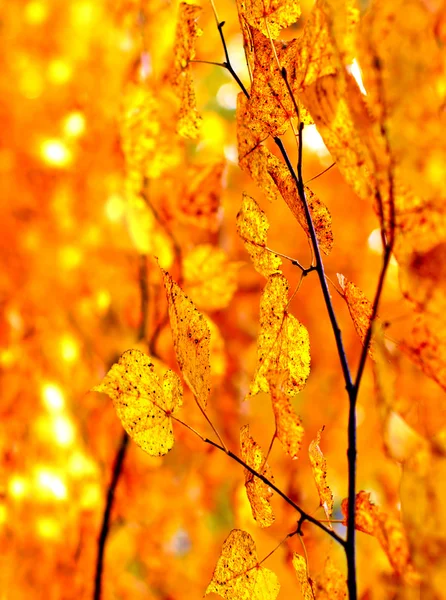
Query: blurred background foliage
78,287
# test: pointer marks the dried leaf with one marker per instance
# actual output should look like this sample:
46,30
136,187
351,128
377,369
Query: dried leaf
425,347
259,494
306,585
191,338
252,227
238,574
270,16
210,278
319,467
189,121
360,308
331,584
144,404
319,212
199,202
184,51
289,429
387,529
283,345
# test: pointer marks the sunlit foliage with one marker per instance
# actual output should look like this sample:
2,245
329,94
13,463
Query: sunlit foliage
156,247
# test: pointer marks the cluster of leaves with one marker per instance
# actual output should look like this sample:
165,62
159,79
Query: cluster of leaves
145,234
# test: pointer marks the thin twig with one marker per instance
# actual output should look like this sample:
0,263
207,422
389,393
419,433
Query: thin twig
304,516
116,474
321,173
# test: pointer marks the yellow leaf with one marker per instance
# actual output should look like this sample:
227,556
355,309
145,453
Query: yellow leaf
146,234
209,277
259,494
331,584
270,16
252,227
144,404
387,529
300,566
319,467
238,574
189,120
319,212
187,32
359,306
289,429
191,339
283,345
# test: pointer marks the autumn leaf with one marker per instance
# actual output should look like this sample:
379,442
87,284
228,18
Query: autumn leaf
289,429
269,16
144,404
387,529
283,345
210,278
319,468
191,338
252,227
184,51
306,586
360,308
424,345
259,494
331,584
252,155
199,202
319,212
238,574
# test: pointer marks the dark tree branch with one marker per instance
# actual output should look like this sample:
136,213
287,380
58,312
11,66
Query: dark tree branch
106,517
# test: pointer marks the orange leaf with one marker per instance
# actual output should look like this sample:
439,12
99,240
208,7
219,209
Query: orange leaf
252,227
283,345
259,494
331,584
387,529
289,429
319,212
319,467
359,306
187,32
270,16
191,338
238,574
144,404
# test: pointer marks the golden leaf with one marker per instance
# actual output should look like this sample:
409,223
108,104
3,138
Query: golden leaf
360,308
319,212
144,404
289,429
300,566
283,345
270,16
319,468
191,339
189,120
184,51
199,202
238,574
209,277
387,529
259,494
252,227
331,584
